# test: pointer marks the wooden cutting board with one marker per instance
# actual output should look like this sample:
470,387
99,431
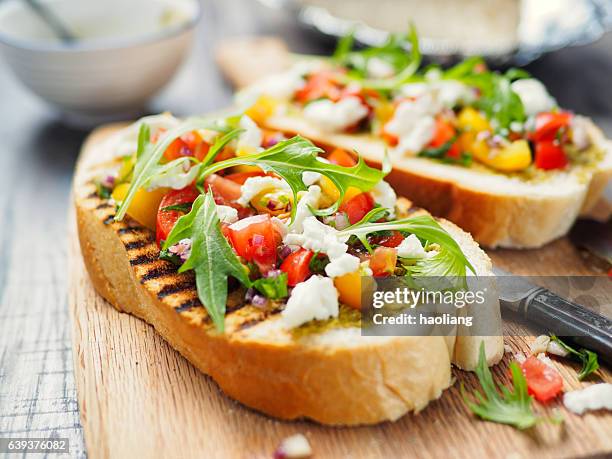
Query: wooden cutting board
139,398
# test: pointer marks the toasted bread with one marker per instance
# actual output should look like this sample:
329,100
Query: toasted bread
335,376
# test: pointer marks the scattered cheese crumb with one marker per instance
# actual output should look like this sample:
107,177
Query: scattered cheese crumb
255,185
293,447
595,397
227,214
540,344
335,116
315,298
385,195
411,247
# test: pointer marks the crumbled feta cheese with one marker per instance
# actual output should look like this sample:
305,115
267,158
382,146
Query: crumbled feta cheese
310,178
385,196
280,86
342,265
280,225
245,222
556,349
316,298
545,360
580,132
540,344
594,397
534,96
335,116
379,68
307,200
227,214
178,176
411,247
414,89
249,141
449,93
255,185
413,124
294,447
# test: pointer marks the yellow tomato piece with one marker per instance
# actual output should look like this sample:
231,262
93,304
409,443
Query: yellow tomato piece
262,109
329,189
478,148
384,112
470,119
145,204
351,192
349,289
514,157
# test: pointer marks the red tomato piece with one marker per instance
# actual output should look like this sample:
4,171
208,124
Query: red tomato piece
548,124
320,85
392,240
443,134
297,266
383,261
543,381
256,239
225,191
549,155
341,157
241,177
357,207
166,219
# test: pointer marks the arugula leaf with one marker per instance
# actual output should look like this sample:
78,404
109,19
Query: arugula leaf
183,207
290,158
220,144
589,361
103,191
393,52
507,407
318,262
148,155
212,258
450,261
274,288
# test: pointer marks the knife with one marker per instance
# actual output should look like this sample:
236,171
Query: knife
562,317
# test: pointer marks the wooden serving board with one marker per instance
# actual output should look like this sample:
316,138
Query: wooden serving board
140,398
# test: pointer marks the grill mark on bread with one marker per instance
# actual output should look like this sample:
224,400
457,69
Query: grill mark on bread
249,323
188,304
175,286
109,219
93,194
143,259
136,244
157,272
132,230
104,205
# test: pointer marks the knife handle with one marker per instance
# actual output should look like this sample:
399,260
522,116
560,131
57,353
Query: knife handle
564,318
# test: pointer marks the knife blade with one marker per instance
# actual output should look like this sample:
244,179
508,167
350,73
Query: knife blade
557,315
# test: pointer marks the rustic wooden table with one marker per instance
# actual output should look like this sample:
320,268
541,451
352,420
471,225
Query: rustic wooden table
37,390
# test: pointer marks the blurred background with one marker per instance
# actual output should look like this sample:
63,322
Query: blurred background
562,42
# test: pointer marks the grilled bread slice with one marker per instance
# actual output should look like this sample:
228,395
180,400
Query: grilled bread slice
333,375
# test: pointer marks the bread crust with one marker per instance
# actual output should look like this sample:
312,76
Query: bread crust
495,211
334,377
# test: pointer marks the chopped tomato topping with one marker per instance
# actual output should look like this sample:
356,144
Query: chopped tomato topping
444,133
189,144
341,157
383,261
392,240
225,191
296,265
549,155
319,85
543,381
241,177
547,125
357,207
166,219
256,239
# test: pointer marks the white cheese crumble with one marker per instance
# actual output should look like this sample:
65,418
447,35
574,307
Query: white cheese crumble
177,176
413,124
384,195
379,68
534,96
246,222
302,211
249,141
255,185
449,93
227,214
310,178
411,247
316,298
594,397
335,116
342,265
294,447
580,132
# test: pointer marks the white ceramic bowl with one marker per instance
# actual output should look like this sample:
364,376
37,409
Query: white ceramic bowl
129,50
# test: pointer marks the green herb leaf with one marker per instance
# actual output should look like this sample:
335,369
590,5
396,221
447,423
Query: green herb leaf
590,363
318,262
148,155
220,144
439,153
290,158
212,258
450,260
102,191
274,288
508,407
183,207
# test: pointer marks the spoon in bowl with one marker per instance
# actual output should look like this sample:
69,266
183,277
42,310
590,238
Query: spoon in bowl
50,18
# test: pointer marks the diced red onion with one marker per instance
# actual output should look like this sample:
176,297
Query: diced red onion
285,251
259,300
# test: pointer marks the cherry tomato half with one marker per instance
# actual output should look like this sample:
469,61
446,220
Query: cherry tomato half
296,265
548,124
549,155
357,207
256,239
383,261
444,133
392,240
543,381
319,85
166,219
341,157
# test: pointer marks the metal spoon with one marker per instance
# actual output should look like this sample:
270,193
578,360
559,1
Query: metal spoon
51,19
